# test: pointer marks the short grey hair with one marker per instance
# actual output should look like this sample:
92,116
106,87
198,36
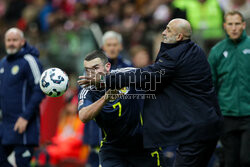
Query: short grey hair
15,30
111,34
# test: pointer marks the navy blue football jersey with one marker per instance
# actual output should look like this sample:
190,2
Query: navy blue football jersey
120,120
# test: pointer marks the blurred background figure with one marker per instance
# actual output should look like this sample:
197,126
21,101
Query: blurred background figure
153,17
140,56
160,12
243,6
20,97
92,137
229,61
206,18
112,46
66,145
67,142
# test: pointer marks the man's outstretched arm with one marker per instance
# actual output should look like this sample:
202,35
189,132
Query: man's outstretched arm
163,68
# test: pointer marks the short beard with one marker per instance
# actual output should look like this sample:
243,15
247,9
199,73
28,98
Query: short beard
11,51
169,40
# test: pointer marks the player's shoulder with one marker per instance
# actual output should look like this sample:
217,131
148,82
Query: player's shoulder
122,70
84,92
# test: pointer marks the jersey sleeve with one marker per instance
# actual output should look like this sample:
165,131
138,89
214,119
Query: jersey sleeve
84,98
143,78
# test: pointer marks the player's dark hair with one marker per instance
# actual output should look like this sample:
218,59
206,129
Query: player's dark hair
231,13
97,54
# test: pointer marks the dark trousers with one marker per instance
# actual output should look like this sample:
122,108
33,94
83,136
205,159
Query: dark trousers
146,158
236,141
23,155
195,154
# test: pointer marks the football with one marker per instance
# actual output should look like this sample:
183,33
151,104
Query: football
54,82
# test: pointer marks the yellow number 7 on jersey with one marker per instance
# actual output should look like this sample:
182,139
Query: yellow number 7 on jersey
118,104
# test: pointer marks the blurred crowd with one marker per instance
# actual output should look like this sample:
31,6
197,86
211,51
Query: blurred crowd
64,31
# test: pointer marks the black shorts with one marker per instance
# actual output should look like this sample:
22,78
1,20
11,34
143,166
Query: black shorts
113,157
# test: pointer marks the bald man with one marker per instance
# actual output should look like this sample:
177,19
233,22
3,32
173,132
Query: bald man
20,96
184,110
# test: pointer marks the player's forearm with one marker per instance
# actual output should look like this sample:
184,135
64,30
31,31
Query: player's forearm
90,112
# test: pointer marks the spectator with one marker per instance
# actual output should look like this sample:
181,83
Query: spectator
243,6
229,60
112,46
140,56
240,5
206,18
20,96
161,11
67,142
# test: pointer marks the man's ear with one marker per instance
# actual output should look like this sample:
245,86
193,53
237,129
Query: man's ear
108,66
179,37
244,25
224,25
120,47
23,42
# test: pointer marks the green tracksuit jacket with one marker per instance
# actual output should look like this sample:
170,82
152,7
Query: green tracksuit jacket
230,65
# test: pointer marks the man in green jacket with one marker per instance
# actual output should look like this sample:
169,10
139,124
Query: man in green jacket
230,65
